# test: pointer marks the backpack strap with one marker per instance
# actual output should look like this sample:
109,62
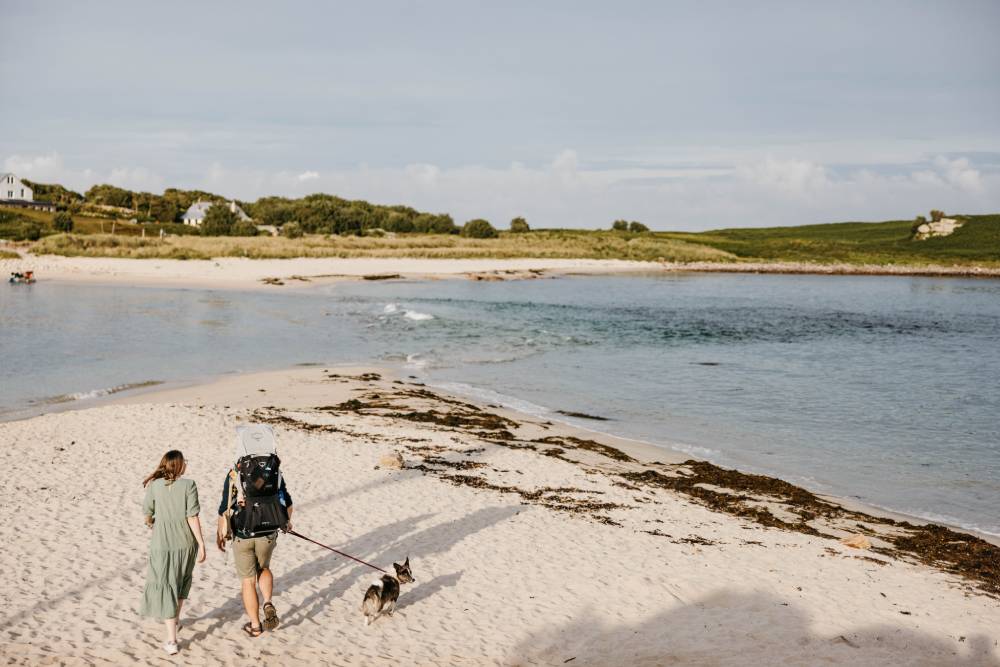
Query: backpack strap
235,493
235,477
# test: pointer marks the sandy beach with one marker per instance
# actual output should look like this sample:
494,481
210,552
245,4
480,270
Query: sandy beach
532,543
271,274
240,273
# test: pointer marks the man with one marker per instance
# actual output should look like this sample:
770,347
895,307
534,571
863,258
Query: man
252,554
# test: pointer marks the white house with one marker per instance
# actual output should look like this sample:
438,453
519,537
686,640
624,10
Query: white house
12,189
195,215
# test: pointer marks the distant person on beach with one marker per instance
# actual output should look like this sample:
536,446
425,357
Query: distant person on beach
171,509
255,506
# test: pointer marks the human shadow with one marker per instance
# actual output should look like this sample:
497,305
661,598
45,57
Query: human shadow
418,545
741,629
320,566
432,587
396,539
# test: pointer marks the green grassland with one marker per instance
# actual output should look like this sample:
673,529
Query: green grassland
540,244
976,243
83,224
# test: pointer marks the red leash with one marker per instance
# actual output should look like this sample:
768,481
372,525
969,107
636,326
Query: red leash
341,553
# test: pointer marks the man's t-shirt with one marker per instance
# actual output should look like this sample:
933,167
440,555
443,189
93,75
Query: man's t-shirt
284,498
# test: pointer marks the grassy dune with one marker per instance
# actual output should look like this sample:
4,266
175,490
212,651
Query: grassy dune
976,242
542,244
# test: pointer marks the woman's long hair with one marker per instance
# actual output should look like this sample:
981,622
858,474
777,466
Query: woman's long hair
171,467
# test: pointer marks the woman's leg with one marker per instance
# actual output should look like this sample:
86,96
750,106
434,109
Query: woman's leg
177,618
171,626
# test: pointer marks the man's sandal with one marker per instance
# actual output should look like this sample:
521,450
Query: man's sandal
252,631
270,617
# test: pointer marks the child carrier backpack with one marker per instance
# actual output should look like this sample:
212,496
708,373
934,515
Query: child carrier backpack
258,482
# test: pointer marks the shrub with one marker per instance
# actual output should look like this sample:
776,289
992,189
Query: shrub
479,229
936,215
30,231
219,221
637,227
63,222
291,230
164,210
620,225
243,228
519,225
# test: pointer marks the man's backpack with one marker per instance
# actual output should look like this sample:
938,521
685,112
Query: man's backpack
258,482
261,512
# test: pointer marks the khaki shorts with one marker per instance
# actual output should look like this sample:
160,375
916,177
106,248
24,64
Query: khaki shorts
253,554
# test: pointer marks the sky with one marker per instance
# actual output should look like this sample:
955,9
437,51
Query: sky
682,115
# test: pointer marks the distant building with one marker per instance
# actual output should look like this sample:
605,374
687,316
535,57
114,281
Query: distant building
195,215
12,189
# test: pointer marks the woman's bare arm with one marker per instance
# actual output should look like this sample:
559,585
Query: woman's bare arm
195,523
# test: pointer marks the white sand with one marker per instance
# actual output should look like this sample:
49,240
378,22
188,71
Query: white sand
500,580
286,274
241,273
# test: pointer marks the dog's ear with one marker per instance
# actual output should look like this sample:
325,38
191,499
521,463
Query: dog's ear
406,563
399,568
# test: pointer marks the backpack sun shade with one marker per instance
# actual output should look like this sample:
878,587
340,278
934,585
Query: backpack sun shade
257,479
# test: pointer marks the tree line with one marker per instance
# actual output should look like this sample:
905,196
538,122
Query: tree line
313,214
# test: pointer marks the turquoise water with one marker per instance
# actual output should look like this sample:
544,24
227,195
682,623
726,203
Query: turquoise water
886,389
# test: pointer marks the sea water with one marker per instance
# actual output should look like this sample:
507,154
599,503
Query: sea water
885,389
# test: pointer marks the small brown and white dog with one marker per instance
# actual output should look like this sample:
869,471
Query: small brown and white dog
383,593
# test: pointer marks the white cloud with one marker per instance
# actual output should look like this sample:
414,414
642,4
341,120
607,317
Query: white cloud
792,177
772,190
51,168
959,173
564,193
36,168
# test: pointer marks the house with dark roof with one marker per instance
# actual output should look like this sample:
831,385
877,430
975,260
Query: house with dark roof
13,189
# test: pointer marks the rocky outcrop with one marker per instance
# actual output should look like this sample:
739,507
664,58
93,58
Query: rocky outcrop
942,227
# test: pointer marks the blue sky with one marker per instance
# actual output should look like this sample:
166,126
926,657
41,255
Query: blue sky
686,115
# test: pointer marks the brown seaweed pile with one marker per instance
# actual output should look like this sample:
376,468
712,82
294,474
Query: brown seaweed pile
931,544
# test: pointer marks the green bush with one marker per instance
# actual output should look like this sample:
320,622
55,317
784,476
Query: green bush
519,226
291,230
243,228
219,221
62,222
637,227
479,229
30,231
620,225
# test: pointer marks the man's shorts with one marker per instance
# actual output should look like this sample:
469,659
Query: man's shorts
253,554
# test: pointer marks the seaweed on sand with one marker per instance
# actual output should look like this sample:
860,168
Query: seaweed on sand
572,442
930,544
553,498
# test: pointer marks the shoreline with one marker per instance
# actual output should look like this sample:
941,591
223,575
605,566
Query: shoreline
625,541
233,390
270,274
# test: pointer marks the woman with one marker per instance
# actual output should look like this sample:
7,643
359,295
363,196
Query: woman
171,509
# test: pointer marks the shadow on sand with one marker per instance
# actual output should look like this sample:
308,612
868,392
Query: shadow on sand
392,541
741,629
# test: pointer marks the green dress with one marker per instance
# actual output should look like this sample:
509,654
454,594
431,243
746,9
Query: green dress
173,548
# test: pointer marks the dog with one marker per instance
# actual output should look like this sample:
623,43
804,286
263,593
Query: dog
383,593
